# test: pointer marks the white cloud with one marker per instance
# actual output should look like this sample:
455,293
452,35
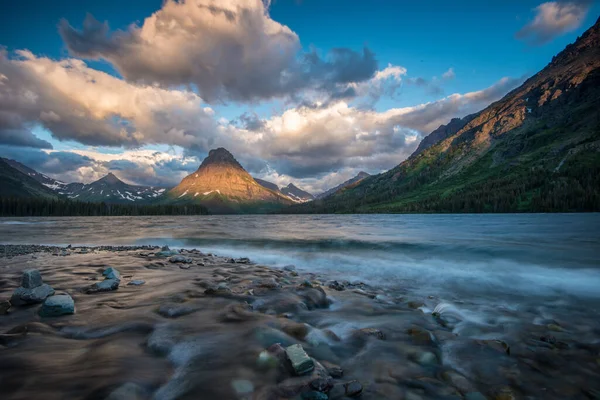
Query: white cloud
450,74
553,19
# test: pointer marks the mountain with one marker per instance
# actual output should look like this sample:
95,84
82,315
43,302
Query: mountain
111,189
291,191
297,194
535,150
41,178
353,181
267,184
16,184
223,186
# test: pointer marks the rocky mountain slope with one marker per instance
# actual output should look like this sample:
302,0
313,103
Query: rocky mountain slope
350,182
223,186
536,149
297,194
111,189
108,189
16,184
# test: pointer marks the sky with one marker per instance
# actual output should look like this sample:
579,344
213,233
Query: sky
302,91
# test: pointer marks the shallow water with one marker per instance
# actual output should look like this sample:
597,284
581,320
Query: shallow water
503,255
515,278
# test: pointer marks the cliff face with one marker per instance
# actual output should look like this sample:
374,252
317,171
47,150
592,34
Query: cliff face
223,185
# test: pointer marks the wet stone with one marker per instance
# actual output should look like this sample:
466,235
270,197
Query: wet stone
289,268
38,294
106,285
136,282
335,285
353,389
301,362
174,310
31,279
111,273
322,384
242,387
55,306
368,332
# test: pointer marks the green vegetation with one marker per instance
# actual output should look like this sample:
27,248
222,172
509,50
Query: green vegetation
42,207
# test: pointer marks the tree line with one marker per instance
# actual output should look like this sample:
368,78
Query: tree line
44,207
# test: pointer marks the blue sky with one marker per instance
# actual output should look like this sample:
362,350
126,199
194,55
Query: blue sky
475,44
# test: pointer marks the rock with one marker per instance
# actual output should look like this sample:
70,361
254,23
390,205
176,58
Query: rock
335,285
137,282
111,273
420,336
174,310
268,336
426,358
181,259
314,298
243,260
22,296
289,268
128,391
162,340
458,381
415,304
242,387
184,266
322,384
365,333
106,285
334,370
301,362
314,396
31,279
504,393
268,283
294,329
238,312
4,307
55,306
555,327
353,388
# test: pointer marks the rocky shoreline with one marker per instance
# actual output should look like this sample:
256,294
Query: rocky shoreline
144,322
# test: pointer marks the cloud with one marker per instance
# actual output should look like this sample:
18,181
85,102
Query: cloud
305,142
75,102
227,50
553,19
449,75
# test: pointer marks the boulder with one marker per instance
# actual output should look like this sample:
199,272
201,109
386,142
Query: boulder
55,306
111,273
22,296
31,279
301,362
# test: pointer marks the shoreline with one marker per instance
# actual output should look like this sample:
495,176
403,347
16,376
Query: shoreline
208,326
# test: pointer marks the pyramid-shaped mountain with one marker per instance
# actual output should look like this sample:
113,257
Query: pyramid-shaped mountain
223,186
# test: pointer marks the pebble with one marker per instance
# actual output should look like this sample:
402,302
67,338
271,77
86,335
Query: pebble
137,282
55,306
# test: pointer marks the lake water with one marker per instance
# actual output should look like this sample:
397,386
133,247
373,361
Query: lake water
455,255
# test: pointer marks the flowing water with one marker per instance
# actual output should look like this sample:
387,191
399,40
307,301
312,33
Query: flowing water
501,277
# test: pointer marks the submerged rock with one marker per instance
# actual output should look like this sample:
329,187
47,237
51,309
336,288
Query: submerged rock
111,273
353,388
55,306
137,282
335,285
301,362
174,310
365,333
242,387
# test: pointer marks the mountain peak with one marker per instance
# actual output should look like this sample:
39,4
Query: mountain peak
362,174
220,156
110,178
